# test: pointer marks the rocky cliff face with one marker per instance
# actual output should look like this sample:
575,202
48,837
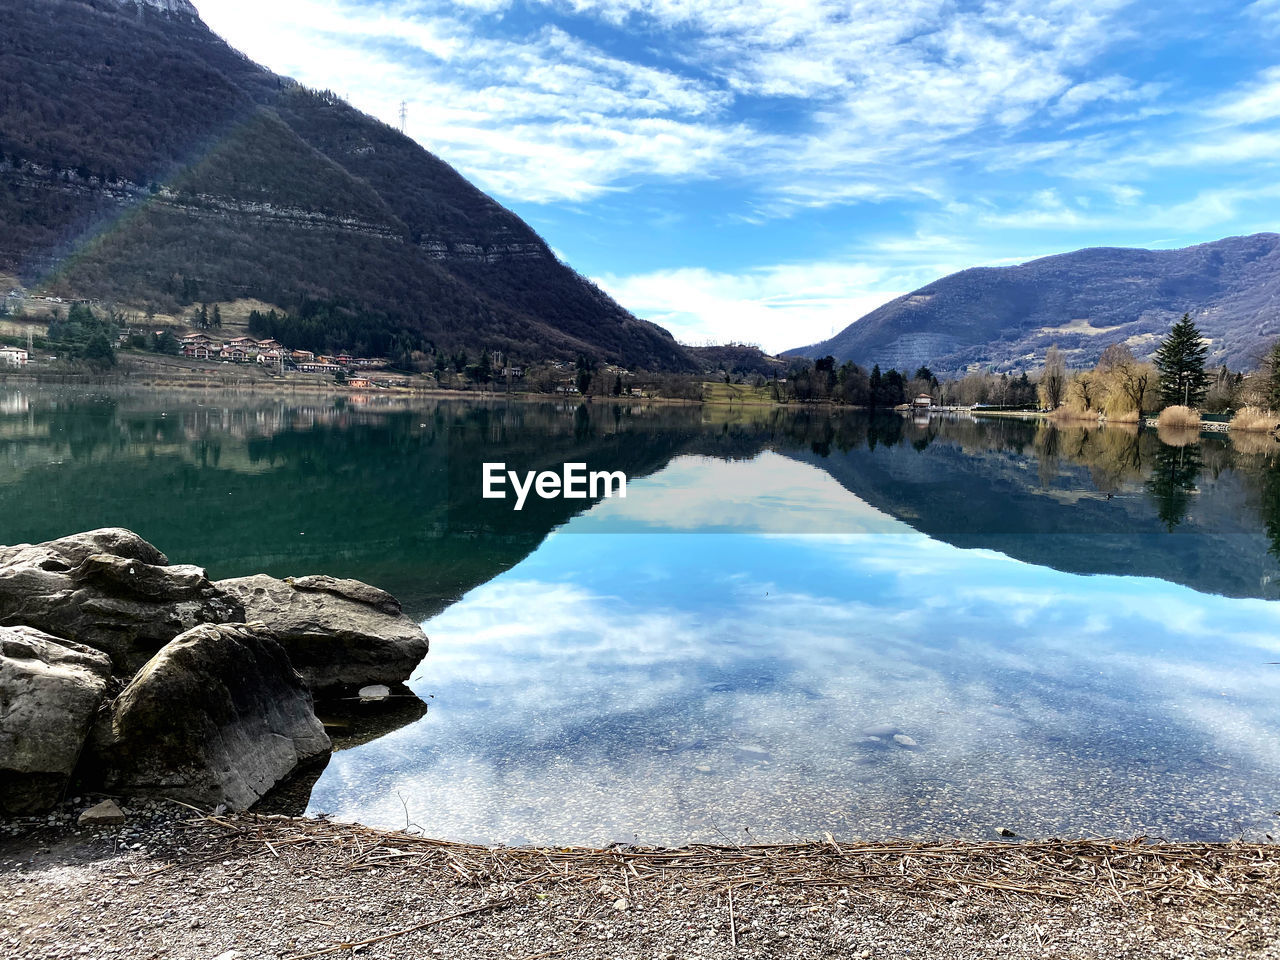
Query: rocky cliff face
143,160
179,8
1005,318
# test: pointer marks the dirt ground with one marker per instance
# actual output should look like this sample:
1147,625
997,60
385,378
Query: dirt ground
252,887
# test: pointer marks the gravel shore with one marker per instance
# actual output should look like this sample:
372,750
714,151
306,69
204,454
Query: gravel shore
248,887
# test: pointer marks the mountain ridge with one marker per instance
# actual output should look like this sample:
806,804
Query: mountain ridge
1005,318
143,160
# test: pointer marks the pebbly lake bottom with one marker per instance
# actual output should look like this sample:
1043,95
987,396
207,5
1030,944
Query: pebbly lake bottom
701,663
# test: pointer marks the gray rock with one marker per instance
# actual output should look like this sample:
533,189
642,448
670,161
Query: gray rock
218,716
110,590
902,740
104,814
50,691
114,541
880,730
340,634
135,578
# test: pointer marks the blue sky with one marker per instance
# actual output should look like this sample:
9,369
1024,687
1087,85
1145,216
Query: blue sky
770,171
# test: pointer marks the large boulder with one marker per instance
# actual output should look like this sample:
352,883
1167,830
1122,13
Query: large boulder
50,691
108,589
340,634
219,716
114,541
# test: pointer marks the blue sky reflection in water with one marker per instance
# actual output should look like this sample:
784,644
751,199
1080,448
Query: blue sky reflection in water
727,670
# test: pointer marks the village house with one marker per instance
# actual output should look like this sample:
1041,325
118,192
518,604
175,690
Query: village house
198,346
13,356
922,402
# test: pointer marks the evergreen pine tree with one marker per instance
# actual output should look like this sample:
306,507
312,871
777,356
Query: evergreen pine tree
1180,359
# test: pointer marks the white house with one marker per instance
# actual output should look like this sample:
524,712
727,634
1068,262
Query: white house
13,356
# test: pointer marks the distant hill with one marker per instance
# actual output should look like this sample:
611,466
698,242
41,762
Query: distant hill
143,160
1006,317
737,359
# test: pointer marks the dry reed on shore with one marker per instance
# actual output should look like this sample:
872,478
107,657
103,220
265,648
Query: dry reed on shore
1179,417
1127,872
1255,420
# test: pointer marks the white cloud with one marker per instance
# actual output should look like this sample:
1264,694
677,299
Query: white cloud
873,92
1257,102
779,307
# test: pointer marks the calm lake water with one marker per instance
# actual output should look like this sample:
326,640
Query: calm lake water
795,623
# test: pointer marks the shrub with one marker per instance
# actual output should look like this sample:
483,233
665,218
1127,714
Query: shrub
1179,417
1074,410
1255,419
1124,416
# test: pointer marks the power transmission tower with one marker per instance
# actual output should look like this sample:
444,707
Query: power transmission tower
404,113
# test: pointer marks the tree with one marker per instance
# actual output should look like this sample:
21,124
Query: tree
617,385
876,386
483,371
166,342
895,389
1083,387
99,353
924,373
1133,381
1271,367
217,317
1180,360
586,370
1053,382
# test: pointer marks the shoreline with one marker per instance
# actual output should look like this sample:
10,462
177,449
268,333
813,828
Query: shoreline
176,884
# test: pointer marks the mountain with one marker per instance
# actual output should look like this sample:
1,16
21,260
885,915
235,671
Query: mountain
1006,317
145,161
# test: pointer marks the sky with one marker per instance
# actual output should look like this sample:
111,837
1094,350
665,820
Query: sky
769,171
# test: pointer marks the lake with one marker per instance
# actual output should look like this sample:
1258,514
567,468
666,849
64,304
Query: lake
796,622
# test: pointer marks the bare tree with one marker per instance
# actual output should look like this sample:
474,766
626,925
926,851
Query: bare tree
1053,382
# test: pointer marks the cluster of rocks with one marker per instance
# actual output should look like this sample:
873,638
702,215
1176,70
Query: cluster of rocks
132,675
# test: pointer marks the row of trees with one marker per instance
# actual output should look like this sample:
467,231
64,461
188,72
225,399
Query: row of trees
1120,387
85,336
847,383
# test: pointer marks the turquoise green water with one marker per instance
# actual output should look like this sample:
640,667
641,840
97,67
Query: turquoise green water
792,624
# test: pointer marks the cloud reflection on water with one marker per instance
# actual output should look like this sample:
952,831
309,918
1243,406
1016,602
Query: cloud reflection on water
685,685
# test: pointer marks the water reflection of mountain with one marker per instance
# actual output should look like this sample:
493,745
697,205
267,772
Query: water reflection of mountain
1083,500
388,495
391,493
